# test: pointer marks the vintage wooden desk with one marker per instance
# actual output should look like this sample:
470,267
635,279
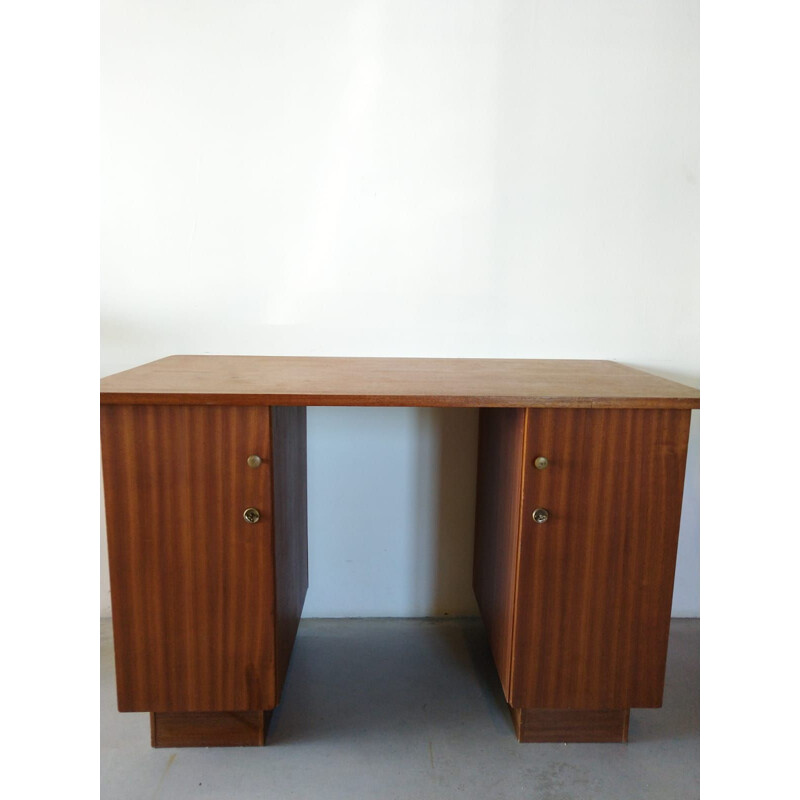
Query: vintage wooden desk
580,480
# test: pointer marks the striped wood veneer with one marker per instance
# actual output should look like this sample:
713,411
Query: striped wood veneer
578,607
200,623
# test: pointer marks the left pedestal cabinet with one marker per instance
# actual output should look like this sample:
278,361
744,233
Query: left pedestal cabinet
208,563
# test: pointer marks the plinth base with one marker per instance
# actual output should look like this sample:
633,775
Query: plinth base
209,728
570,725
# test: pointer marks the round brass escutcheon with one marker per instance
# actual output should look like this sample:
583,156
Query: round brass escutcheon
251,515
541,463
541,515
253,461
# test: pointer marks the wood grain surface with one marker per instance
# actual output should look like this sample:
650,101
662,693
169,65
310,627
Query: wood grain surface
192,583
458,382
567,725
290,521
497,524
594,585
209,728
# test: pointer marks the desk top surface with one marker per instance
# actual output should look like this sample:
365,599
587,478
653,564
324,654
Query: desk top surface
454,382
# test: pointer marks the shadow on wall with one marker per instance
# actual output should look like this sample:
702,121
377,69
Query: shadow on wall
447,442
391,511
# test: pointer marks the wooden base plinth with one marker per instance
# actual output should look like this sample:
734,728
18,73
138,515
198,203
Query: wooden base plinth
570,725
209,728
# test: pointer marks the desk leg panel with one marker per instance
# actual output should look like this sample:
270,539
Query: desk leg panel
202,623
594,582
577,607
289,493
497,523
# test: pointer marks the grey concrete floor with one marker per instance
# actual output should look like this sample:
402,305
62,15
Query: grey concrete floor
392,709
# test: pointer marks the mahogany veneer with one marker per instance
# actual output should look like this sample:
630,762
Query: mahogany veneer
567,725
431,382
578,608
209,728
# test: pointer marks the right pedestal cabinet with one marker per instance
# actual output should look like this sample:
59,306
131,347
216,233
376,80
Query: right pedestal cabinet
577,520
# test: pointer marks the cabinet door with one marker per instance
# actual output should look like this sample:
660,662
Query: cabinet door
594,582
192,582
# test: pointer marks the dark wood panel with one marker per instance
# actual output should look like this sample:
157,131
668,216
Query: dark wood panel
497,524
570,725
291,530
460,382
209,728
595,582
192,589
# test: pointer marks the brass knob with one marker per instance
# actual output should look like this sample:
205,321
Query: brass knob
541,515
252,515
541,463
253,461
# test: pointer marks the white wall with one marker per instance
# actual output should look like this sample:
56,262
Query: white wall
403,177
